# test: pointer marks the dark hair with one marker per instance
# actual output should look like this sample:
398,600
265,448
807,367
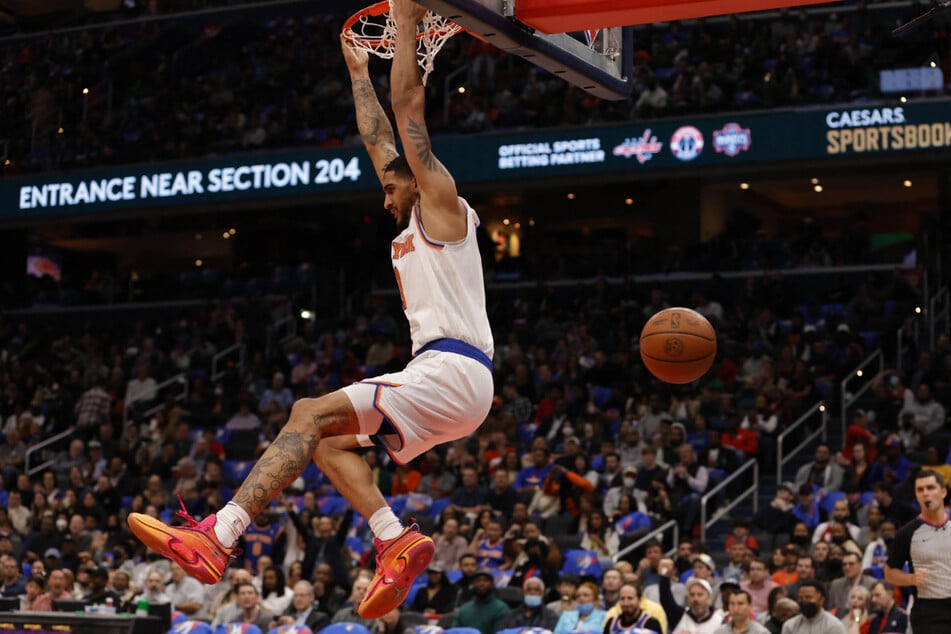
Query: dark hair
399,166
886,487
930,473
740,591
815,585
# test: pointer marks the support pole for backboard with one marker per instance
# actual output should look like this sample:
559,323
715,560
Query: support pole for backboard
560,54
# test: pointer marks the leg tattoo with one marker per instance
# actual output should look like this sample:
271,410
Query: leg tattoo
285,459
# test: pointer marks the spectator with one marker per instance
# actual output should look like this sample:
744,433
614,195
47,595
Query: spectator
532,613
99,591
585,616
93,407
889,617
248,609
439,595
12,583
783,610
154,591
392,623
304,610
488,546
530,478
892,466
929,414
439,482
450,545
687,482
630,614
143,389
276,597
485,611
36,599
856,618
805,571
789,573
275,403
822,473
840,513
813,617
808,510
348,613
838,599
740,616
185,593
758,585
892,509
699,615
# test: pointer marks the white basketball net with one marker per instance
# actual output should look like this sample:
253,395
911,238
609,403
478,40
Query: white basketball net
375,31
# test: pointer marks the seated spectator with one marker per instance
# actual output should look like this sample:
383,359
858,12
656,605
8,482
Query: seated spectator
840,513
154,590
12,583
36,599
822,473
247,609
439,482
143,389
630,614
450,545
348,613
439,595
276,597
585,616
813,616
857,618
758,584
485,611
891,508
687,482
488,545
889,617
304,610
808,510
853,575
276,402
892,466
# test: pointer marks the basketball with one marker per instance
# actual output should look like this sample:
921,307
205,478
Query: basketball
678,345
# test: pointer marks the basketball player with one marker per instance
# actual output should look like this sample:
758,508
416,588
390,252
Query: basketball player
443,394
924,544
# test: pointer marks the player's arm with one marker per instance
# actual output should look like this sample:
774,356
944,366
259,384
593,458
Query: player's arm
898,577
374,127
444,218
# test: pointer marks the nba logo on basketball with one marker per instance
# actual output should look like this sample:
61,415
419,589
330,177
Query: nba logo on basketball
732,139
687,143
675,320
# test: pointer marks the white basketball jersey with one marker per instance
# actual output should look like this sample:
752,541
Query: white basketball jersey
441,285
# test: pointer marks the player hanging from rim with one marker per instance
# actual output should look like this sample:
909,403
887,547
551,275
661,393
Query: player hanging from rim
924,543
444,393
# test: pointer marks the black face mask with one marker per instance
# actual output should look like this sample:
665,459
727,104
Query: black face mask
838,540
808,609
888,540
800,540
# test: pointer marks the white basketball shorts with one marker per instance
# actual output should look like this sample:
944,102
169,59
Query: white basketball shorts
439,397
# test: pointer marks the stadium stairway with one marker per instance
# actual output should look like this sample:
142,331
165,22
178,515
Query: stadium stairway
718,533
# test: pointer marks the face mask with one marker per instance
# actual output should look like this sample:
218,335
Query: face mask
567,431
808,609
532,600
888,540
61,525
838,540
584,609
801,540
629,482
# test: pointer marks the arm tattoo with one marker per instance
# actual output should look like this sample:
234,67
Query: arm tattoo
282,463
371,120
424,147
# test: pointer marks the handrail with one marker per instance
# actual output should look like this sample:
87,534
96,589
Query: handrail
290,321
848,399
180,378
899,341
935,313
651,535
750,491
215,374
43,444
782,460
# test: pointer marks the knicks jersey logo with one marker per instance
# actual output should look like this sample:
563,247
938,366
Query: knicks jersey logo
402,248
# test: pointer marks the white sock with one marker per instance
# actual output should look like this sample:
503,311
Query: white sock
384,524
231,524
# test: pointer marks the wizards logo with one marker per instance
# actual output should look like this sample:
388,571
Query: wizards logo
732,139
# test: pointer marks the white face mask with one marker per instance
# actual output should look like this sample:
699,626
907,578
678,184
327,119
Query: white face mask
629,482
567,431
61,525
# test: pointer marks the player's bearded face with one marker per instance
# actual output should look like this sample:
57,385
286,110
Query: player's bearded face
400,198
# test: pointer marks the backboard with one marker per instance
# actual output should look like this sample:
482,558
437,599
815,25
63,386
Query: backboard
603,69
537,30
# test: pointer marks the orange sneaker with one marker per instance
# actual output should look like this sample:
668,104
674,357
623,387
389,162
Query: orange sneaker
195,547
398,562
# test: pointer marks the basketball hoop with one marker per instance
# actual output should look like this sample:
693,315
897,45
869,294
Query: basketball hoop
374,30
